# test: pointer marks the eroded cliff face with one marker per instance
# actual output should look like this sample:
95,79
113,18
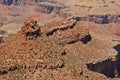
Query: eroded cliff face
87,15
61,51
23,2
100,19
46,7
103,12
9,2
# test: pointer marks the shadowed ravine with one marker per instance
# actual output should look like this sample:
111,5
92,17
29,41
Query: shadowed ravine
108,67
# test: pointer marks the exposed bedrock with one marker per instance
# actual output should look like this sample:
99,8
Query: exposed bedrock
70,32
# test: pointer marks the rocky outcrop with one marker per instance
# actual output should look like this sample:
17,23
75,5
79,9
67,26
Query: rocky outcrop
61,26
69,32
63,50
30,29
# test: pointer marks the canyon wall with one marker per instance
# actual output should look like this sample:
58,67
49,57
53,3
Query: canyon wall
100,19
47,7
9,2
21,2
53,6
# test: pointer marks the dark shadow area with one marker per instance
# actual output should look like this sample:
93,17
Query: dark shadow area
51,32
9,2
72,42
106,67
117,48
33,35
36,33
3,72
1,39
99,19
86,39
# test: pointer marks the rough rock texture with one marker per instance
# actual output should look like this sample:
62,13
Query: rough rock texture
30,29
65,51
71,34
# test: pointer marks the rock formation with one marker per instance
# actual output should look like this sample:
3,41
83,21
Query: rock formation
61,51
65,50
30,29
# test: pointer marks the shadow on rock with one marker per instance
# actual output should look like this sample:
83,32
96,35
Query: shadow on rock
117,48
108,67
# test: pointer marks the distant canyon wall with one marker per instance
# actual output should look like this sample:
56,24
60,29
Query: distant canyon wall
58,9
48,8
100,19
9,2
51,6
23,2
